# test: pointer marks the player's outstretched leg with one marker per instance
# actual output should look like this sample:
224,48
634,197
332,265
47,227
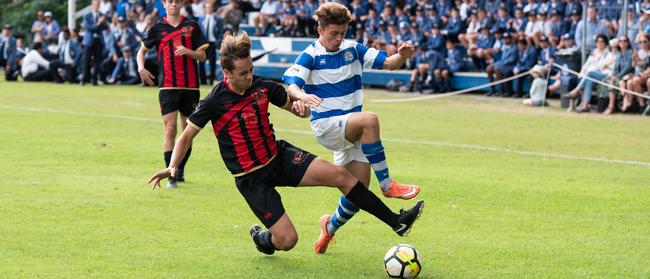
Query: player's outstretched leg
364,126
331,223
321,172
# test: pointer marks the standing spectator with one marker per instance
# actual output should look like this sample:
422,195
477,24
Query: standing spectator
8,53
36,68
198,8
126,70
594,28
94,24
527,58
70,55
571,7
51,30
106,8
38,27
231,16
212,27
503,67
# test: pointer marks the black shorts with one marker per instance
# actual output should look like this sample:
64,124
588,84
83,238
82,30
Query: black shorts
258,187
183,100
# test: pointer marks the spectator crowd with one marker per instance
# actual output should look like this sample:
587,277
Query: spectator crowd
500,37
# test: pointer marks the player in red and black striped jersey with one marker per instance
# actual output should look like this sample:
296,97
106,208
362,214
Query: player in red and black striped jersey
180,44
238,110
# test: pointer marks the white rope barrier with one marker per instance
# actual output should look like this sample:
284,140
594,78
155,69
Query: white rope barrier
564,68
498,82
436,96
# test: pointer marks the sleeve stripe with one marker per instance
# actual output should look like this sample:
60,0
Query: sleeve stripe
379,60
293,80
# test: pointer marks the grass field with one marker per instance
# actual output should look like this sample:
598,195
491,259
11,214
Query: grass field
511,192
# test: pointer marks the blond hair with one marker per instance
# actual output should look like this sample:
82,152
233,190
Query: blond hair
332,13
234,48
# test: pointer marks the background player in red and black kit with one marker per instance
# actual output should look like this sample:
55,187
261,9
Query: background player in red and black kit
238,109
180,44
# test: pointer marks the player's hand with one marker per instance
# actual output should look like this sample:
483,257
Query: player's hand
310,100
146,76
299,107
406,50
160,175
181,50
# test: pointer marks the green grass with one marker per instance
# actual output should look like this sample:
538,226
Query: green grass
74,201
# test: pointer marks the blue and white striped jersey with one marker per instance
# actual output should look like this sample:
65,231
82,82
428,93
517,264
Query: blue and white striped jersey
334,76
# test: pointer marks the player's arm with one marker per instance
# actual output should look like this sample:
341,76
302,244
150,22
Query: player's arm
145,75
396,61
301,102
180,148
198,54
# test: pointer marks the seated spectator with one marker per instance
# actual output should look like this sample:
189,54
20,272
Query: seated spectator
267,16
557,28
638,82
537,88
432,14
471,33
494,52
8,53
423,22
519,22
527,58
503,67
484,43
420,73
288,19
70,54
546,54
417,36
124,35
36,68
125,71
623,70
454,26
454,61
436,41
598,66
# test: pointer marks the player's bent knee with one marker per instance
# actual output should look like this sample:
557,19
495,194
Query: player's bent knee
287,241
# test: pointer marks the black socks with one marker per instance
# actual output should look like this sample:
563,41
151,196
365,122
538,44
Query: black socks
369,202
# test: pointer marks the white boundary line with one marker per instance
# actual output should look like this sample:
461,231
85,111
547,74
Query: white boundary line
397,140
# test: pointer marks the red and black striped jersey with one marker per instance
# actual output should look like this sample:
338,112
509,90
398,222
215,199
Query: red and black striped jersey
241,123
176,72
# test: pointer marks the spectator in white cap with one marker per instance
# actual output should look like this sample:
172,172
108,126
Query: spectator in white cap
537,88
52,29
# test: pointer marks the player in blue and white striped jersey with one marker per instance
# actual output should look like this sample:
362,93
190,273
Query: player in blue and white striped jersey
329,71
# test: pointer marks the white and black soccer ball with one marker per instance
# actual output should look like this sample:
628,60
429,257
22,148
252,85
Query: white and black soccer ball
402,261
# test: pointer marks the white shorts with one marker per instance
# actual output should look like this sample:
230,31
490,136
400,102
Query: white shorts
330,132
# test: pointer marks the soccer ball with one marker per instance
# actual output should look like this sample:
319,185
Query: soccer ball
402,261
